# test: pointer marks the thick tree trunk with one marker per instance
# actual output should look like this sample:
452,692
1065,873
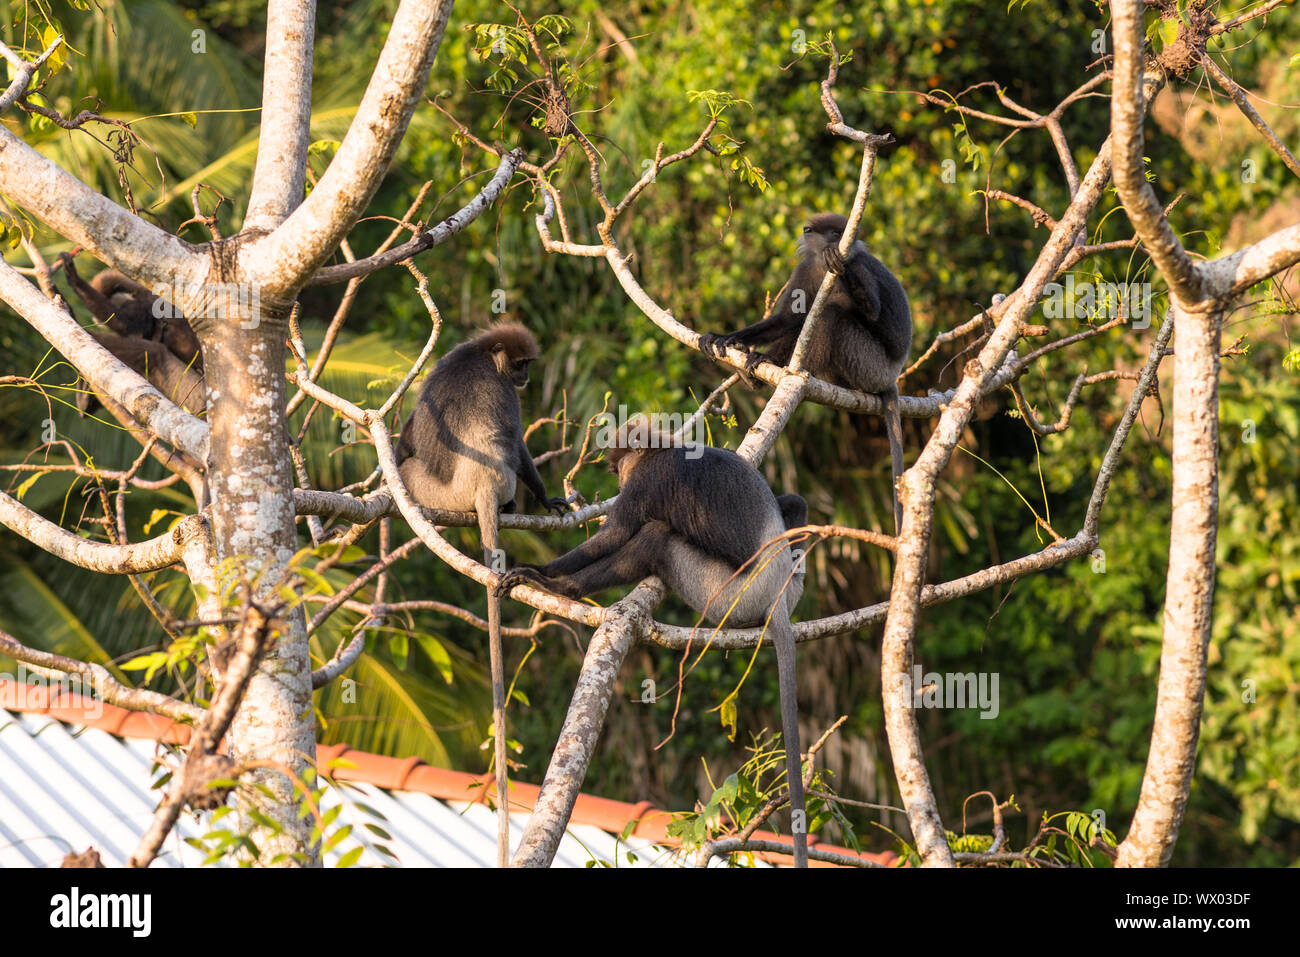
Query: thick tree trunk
250,479
1189,593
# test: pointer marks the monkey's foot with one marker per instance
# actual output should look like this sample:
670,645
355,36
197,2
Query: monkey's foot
753,359
520,575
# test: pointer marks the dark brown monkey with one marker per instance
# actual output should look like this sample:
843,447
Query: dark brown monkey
129,309
694,515
463,448
863,337
155,362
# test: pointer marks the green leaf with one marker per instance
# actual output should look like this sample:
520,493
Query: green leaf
25,486
149,664
437,653
351,857
156,516
727,716
60,56
337,838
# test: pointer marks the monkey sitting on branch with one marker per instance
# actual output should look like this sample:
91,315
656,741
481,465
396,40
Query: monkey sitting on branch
863,337
156,363
704,521
462,448
130,310
164,350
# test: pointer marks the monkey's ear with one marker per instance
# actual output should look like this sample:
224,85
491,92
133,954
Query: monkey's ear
637,431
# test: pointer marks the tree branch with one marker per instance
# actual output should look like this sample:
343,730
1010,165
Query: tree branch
283,261
105,372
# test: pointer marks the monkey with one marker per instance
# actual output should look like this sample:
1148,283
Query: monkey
863,337
465,440
164,350
154,361
462,448
697,517
129,309
112,301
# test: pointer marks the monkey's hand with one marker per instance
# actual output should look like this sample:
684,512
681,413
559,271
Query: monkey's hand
557,505
709,344
715,345
69,269
519,575
834,260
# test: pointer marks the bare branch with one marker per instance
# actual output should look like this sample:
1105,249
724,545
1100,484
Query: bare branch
109,689
1233,274
285,130
258,627
1238,95
439,234
733,845
1134,88
284,260
161,552
1238,22
23,71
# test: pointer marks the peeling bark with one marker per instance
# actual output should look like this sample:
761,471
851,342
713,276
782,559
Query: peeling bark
250,479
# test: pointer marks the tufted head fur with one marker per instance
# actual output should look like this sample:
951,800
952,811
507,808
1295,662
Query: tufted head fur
512,348
110,282
511,336
636,437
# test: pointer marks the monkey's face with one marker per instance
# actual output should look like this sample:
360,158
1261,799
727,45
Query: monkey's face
817,238
514,368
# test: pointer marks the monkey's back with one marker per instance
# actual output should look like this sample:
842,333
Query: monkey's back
179,381
456,432
689,493
866,340
721,513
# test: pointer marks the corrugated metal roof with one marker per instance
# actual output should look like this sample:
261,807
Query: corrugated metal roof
65,788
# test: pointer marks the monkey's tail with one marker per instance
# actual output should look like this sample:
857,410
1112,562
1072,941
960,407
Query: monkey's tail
487,517
499,728
783,638
894,429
